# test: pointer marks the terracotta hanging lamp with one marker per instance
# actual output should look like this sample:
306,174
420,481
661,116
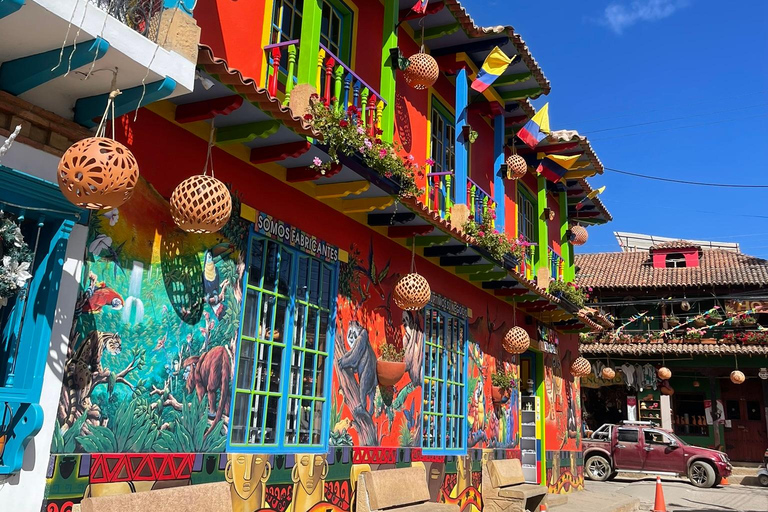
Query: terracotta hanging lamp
664,373
580,367
517,167
412,291
516,340
578,235
608,373
98,172
737,376
422,71
201,204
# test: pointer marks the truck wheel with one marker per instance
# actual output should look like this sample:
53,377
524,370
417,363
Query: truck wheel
702,474
598,468
763,479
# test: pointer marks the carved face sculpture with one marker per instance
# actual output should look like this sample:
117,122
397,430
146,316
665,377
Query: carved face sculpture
247,472
309,471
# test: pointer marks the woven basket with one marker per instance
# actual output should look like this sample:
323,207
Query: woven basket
516,167
608,373
516,341
579,235
738,377
422,72
411,292
97,173
201,204
580,367
664,373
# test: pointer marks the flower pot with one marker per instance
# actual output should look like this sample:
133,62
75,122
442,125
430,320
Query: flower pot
673,322
389,372
708,341
699,323
498,394
656,341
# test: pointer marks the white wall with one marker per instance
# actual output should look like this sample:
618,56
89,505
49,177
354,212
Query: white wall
24,491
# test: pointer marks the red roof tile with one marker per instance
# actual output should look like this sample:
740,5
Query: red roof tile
675,244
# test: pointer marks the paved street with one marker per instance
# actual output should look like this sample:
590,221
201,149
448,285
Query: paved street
682,496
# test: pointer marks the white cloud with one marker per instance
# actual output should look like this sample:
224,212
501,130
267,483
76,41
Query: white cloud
618,16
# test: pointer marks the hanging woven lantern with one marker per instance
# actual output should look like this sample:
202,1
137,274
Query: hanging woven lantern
97,173
685,305
738,377
516,341
411,292
422,72
664,373
580,367
201,204
608,373
516,167
578,235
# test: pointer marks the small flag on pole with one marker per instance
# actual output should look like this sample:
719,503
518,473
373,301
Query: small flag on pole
554,167
494,66
593,194
420,6
536,129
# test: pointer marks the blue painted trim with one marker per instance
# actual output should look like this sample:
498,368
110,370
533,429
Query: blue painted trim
8,7
20,75
26,423
184,5
462,155
499,194
89,110
32,192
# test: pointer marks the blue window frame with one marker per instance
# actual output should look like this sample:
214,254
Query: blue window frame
286,20
336,23
443,139
444,415
283,370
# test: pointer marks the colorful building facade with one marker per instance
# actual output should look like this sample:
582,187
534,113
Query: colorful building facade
271,354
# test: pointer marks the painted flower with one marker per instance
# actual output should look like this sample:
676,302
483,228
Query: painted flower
430,161
18,271
317,161
411,158
99,244
382,153
343,123
113,216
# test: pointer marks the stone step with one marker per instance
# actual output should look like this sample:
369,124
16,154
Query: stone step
556,500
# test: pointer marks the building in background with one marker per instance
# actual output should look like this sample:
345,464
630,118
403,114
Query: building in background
699,311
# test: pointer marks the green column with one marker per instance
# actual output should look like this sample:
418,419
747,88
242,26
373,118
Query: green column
387,87
309,43
565,250
543,241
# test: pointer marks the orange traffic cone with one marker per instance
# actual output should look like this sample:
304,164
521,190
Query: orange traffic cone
659,505
724,481
543,507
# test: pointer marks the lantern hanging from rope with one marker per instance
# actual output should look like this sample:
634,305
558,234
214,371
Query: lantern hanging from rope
516,340
517,167
412,291
737,377
578,235
580,367
201,204
98,172
664,373
608,373
422,71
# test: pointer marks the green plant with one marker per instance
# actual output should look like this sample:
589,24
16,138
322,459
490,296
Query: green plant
749,321
15,258
673,320
343,132
501,379
692,334
715,317
569,291
493,241
391,353
136,428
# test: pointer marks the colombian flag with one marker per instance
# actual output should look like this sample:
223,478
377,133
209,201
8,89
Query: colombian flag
536,129
420,6
494,66
554,167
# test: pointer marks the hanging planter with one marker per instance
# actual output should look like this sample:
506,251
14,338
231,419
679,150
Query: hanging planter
738,377
390,367
422,71
608,373
501,382
578,235
411,292
580,367
664,373
201,204
517,167
699,322
516,341
673,321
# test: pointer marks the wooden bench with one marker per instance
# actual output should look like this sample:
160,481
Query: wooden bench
189,498
504,488
403,490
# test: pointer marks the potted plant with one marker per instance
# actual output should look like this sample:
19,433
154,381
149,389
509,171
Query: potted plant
699,322
749,321
735,321
715,318
390,367
692,336
656,339
500,384
673,321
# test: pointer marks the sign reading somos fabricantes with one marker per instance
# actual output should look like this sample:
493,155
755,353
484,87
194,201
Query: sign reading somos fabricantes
293,236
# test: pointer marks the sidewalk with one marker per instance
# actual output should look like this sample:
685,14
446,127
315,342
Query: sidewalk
593,502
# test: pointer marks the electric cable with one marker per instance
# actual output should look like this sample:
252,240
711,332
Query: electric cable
684,182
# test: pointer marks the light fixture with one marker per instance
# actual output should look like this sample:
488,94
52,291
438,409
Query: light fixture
206,82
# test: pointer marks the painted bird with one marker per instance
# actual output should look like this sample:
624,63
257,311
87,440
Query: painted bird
214,294
160,343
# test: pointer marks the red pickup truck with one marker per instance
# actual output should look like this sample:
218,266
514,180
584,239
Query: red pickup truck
639,447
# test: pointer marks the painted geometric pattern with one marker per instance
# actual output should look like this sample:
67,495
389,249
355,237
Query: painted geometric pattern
108,468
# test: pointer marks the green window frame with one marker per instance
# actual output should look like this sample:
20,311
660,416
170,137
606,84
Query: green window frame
444,415
527,223
286,20
336,22
443,138
284,354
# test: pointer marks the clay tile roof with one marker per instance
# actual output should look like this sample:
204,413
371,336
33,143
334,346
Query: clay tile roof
637,349
469,26
675,244
248,88
634,270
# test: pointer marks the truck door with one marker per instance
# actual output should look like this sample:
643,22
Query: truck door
662,452
628,450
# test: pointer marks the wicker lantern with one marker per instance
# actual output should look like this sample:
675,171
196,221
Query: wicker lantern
422,72
97,173
411,292
516,341
608,373
580,367
516,167
664,373
578,236
738,377
201,204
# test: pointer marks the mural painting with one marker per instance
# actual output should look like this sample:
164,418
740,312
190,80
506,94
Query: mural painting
565,471
150,361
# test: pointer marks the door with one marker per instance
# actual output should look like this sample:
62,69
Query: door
746,438
662,452
628,449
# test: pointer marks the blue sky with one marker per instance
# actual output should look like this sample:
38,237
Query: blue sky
614,63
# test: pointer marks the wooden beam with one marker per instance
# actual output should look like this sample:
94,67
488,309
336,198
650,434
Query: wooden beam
409,231
427,241
514,121
444,250
477,46
486,108
389,219
512,79
89,110
497,285
455,261
522,149
246,132
486,276
367,204
474,269
208,109
440,31
279,152
295,174
520,94
511,292
343,189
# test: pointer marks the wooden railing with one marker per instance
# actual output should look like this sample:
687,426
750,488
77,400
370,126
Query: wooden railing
526,267
441,195
479,203
556,263
337,85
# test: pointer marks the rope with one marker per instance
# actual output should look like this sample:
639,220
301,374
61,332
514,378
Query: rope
66,36
101,36
413,256
209,155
